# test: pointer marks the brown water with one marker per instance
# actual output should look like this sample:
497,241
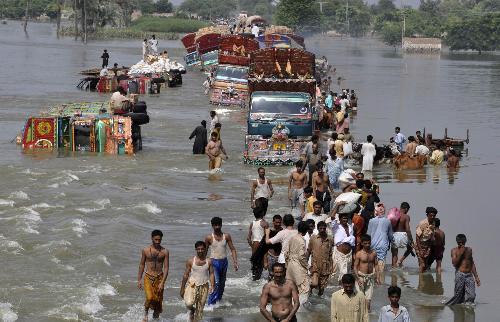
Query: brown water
72,226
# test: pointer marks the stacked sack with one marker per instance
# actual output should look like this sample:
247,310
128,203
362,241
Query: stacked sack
156,65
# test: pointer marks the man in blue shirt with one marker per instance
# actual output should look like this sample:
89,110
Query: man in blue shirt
399,139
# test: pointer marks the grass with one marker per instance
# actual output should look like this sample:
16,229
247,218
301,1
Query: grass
121,33
161,24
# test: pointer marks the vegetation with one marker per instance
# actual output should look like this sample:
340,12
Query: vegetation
15,9
263,8
210,9
298,14
461,24
121,33
161,24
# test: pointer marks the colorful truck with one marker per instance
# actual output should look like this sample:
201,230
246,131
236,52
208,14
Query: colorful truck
85,127
230,84
282,110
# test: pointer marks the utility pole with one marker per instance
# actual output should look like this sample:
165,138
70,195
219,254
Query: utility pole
25,24
403,30
321,5
347,15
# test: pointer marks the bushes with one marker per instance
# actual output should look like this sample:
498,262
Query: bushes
160,24
121,33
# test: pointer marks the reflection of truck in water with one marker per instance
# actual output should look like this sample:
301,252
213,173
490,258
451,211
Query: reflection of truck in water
282,113
230,83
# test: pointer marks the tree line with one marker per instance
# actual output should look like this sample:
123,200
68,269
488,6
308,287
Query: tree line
461,24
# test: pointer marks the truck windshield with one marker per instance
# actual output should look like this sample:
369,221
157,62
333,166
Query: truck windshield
226,72
210,56
280,105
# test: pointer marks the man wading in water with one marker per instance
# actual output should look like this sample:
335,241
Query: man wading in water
195,285
282,294
155,259
215,151
465,274
218,243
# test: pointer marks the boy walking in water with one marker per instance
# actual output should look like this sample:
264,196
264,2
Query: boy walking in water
364,263
393,312
439,241
154,259
465,274
194,286
219,242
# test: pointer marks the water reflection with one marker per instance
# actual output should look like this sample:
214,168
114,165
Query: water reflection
428,285
418,175
436,174
452,173
463,313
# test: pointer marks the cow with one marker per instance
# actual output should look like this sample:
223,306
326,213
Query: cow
404,161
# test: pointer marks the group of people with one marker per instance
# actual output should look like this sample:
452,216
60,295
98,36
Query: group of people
334,109
417,145
149,47
346,246
334,239
213,149
204,276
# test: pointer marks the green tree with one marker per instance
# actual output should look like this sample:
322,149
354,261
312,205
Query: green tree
383,6
298,14
391,33
146,6
480,32
164,6
210,9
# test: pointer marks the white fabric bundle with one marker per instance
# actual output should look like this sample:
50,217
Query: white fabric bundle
160,65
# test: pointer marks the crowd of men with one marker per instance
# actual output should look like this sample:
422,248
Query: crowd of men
346,246
338,232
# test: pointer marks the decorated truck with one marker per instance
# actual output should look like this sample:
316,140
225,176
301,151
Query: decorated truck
85,127
282,112
230,78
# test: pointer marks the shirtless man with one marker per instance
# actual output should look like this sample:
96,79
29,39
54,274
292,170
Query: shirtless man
155,259
453,160
439,243
214,151
282,294
465,274
411,146
402,236
261,187
296,184
321,187
364,263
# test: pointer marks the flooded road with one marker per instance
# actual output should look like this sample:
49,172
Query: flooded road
72,226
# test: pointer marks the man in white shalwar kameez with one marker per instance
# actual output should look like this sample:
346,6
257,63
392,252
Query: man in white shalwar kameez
368,151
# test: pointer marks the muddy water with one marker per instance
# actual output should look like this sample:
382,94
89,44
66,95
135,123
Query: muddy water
71,226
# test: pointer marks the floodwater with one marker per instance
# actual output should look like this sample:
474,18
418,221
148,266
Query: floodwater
72,226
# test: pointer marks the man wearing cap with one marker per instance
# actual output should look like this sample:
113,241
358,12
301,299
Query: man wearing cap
425,238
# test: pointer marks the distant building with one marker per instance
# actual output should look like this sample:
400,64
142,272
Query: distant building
421,45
